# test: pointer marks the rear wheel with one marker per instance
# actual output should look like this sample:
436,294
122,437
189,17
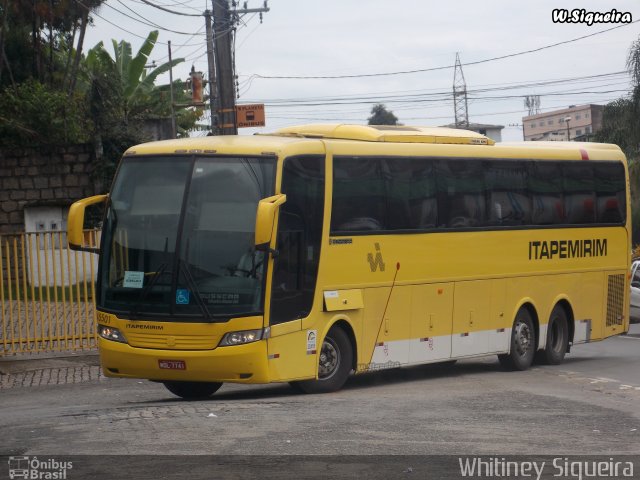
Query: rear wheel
557,338
192,390
523,343
334,364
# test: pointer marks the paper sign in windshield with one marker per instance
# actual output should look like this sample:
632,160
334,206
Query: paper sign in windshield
133,279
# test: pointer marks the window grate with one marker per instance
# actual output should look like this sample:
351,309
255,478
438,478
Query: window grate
615,300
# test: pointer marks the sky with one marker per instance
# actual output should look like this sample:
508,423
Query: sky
363,45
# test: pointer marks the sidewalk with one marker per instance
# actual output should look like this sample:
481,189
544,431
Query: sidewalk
30,370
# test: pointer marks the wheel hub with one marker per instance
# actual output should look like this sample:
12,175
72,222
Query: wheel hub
523,338
329,359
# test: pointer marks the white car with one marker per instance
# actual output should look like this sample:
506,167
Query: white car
634,311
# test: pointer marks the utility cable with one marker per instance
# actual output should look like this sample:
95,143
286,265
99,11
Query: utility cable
422,70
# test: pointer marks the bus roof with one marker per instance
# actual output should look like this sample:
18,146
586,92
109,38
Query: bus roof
311,139
387,133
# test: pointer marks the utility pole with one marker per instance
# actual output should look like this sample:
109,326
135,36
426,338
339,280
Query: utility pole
213,90
460,106
222,77
223,26
173,107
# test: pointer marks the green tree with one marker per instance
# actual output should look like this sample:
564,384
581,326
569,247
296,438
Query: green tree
39,39
32,113
381,116
122,95
621,118
621,125
137,86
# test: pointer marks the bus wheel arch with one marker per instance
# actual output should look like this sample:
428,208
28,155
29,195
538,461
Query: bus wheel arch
337,358
348,330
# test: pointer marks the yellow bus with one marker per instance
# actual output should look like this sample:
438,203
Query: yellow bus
322,250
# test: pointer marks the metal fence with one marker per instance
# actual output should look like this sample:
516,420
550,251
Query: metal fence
47,293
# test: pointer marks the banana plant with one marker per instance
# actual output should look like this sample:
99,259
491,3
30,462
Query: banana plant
138,85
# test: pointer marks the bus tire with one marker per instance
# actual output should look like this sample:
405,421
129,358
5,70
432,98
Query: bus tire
557,338
192,390
334,364
523,343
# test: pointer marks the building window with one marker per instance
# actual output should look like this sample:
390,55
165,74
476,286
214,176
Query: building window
533,125
578,116
586,115
587,129
549,122
578,132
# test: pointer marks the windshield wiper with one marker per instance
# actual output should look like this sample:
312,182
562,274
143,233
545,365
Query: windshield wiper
194,288
147,288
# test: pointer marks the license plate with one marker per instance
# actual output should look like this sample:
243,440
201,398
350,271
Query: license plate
172,364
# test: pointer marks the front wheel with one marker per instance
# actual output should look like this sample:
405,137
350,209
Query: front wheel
192,390
523,343
557,338
334,364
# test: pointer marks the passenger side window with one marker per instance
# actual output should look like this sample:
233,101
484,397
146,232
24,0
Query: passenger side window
508,201
359,202
610,193
403,193
545,185
579,194
461,193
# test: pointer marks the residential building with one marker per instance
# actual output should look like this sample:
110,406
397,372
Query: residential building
566,124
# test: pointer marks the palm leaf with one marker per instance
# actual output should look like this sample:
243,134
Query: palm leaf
136,66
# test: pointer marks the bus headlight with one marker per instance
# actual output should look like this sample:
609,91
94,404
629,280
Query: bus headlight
242,337
111,333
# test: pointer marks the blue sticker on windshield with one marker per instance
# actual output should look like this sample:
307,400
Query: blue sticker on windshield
182,296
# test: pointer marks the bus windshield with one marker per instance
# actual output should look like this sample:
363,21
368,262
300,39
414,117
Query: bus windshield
179,237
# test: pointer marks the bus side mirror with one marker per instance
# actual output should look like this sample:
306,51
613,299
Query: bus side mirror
265,218
75,223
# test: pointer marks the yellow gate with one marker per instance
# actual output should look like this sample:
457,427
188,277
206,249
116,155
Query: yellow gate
47,294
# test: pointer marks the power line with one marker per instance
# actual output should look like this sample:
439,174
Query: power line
411,99
409,94
144,22
422,70
79,2
174,12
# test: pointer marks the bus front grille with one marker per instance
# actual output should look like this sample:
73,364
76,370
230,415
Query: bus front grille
173,342
615,300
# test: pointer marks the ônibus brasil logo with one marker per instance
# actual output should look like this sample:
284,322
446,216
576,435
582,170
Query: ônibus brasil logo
34,469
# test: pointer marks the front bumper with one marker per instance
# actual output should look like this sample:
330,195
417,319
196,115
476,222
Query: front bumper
237,364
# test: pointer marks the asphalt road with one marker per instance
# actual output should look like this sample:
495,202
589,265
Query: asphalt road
589,405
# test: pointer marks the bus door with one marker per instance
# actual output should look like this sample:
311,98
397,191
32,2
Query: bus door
295,268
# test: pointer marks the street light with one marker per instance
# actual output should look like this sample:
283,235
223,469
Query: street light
567,120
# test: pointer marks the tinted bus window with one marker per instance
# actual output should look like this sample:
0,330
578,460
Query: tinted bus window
391,194
545,185
610,193
461,193
359,202
579,193
508,199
